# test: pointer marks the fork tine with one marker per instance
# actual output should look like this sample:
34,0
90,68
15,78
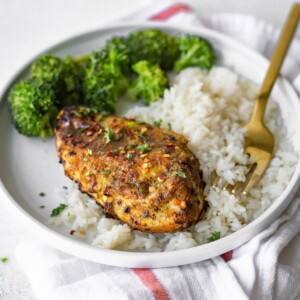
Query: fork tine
251,182
216,179
255,175
240,184
235,187
228,187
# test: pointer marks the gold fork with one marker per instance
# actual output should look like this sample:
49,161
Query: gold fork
259,141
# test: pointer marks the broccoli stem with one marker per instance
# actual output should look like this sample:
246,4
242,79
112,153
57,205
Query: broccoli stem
82,58
47,123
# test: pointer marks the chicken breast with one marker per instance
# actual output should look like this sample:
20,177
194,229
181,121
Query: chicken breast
141,174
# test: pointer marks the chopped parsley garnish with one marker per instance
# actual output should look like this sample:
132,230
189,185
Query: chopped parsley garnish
215,236
56,211
144,148
129,155
101,117
109,135
169,126
116,151
179,173
157,123
132,144
42,194
141,136
76,113
142,190
4,259
85,158
132,123
89,173
87,110
90,151
104,114
105,172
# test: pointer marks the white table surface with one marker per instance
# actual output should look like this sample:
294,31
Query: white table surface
27,27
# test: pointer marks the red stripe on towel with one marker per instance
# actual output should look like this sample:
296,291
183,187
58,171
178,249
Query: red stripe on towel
148,278
170,11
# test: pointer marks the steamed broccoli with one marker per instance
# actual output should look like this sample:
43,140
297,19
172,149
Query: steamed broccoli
63,75
150,83
194,51
106,76
32,104
35,102
47,68
98,79
153,45
71,92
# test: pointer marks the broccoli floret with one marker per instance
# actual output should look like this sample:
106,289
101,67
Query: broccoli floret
48,68
118,56
106,76
153,45
194,51
150,83
112,59
100,92
63,75
33,108
71,92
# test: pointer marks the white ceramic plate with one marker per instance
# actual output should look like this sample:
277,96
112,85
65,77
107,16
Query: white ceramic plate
29,166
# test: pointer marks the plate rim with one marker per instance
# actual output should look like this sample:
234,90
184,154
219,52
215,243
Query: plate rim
154,259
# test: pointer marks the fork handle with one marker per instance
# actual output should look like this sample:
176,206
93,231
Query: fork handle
278,56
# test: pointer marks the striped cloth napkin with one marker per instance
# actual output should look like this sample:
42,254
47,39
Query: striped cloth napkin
253,271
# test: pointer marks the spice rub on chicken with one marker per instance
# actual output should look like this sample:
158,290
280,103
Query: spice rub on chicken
141,174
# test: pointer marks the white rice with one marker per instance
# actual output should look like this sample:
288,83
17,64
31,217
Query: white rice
210,111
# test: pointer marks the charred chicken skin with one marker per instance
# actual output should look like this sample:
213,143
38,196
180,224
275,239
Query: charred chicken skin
141,174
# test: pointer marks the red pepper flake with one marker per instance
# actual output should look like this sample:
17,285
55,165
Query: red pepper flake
227,256
170,145
162,178
110,154
129,132
72,232
106,191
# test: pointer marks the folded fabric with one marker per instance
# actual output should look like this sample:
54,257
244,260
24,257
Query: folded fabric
253,272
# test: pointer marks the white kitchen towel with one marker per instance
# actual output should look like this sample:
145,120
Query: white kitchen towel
252,271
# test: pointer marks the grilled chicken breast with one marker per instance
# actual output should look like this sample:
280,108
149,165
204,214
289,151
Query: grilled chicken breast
141,174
